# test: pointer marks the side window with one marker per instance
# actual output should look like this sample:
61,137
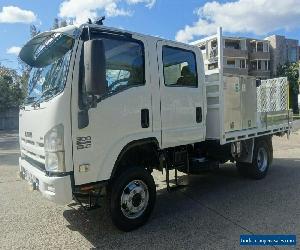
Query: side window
124,64
179,67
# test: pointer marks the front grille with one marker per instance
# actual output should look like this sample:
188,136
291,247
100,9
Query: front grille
33,149
35,163
31,142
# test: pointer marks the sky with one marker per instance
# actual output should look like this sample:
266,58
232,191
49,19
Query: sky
181,20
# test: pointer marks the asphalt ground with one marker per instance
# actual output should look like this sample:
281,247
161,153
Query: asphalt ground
210,213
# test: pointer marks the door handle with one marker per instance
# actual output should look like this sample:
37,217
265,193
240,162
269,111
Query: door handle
198,114
145,118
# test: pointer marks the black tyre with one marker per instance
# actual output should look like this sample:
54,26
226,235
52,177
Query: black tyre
132,198
261,161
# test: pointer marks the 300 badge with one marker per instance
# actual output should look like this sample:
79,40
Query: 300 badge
84,142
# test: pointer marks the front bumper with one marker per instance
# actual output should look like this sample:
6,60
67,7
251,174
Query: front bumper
56,189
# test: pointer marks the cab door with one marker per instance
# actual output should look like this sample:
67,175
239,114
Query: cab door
181,77
122,115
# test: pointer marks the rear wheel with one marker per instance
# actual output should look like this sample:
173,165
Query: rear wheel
132,198
261,160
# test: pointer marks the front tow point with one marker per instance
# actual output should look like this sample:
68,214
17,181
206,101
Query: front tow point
33,186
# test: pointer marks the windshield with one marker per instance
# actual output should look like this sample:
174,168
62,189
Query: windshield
53,54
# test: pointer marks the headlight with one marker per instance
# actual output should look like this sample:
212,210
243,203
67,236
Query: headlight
55,161
54,149
54,139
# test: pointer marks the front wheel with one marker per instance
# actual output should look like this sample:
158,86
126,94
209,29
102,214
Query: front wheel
131,199
262,158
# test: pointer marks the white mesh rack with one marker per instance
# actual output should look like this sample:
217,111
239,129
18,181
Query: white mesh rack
272,95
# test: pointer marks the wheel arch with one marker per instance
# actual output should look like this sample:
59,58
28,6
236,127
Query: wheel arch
137,153
254,169
249,145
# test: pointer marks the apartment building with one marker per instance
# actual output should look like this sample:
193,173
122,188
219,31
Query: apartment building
282,50
245,56
241,56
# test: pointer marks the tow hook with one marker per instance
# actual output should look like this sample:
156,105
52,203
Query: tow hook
33,186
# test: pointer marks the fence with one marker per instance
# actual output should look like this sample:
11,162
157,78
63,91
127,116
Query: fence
9,119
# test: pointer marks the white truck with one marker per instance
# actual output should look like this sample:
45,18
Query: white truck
106,107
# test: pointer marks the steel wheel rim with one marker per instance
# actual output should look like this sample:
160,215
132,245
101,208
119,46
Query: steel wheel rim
262,159
134,199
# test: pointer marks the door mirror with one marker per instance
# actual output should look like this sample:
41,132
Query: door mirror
95,68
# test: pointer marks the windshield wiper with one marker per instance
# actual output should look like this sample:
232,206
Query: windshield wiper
47,93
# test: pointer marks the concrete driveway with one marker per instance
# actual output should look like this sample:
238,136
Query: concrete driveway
210,213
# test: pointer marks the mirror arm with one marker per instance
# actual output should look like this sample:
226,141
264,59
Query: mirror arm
92,101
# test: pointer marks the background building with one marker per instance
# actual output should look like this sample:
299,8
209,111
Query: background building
244,56
283,50
249,56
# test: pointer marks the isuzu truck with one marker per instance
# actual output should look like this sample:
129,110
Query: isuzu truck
106,107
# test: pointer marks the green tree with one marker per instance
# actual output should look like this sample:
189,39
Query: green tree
33,30
58,23
11,92
291,71
63,23
55,24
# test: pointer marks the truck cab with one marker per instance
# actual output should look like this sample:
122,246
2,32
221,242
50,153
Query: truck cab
102,105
